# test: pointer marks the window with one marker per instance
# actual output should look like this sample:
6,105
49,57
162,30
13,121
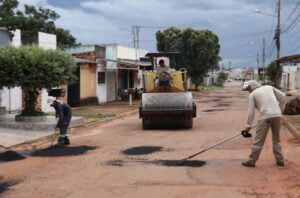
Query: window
101,77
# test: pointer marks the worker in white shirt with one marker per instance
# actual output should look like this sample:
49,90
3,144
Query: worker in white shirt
268,101
162,67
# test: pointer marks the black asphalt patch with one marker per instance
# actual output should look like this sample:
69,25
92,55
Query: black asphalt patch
10,155
57,151
180,163
5,185
142,150
212,110
167,163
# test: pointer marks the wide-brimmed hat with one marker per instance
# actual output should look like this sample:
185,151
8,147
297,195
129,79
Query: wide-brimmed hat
252,84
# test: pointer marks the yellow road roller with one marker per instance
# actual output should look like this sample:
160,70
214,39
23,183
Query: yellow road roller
166,103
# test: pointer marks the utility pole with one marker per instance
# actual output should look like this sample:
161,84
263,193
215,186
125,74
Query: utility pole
263,57
136,36
277,38
136,39
278,30
257,59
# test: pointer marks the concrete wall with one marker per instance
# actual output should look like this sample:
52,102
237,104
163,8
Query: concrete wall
101,88
11,98
4,37
87,81
298,77
111,86
47,41
124,52
288,79
16,41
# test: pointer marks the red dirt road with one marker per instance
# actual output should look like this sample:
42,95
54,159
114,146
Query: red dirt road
106,172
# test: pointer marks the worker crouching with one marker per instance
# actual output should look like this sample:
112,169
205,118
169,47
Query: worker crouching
268,101
64,114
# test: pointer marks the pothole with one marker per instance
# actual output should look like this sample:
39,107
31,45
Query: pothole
142,150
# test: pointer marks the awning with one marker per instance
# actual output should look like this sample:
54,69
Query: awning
292,58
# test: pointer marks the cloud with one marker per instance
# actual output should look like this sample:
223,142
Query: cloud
110,21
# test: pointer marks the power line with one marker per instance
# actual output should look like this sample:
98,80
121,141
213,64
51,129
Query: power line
206,23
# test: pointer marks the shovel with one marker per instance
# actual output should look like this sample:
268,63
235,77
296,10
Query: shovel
212,146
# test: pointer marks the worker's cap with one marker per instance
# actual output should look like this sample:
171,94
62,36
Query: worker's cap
50,101
252,84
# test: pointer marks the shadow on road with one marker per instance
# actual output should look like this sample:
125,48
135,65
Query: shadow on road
57,151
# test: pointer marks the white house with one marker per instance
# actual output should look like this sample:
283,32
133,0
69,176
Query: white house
12,98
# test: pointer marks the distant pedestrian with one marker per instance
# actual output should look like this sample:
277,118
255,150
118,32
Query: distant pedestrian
64,114
267,100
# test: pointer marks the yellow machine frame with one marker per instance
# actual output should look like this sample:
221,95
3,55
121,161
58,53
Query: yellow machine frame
178,81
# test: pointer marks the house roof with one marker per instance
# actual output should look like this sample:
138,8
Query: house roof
134,62
293,58
80,60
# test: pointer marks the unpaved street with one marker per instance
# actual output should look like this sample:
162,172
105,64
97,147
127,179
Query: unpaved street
97,165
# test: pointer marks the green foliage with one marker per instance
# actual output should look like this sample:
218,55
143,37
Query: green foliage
32,21
273,73
222,77
33,68
199,49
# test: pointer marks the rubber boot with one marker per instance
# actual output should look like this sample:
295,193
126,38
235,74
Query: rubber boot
66,141
61,141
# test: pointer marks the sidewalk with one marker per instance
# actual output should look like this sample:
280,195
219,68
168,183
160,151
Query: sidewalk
92,115
292,123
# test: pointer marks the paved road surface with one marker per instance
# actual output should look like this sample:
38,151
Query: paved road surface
104,171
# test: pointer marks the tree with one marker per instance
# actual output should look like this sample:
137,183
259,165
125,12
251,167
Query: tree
273,73
33,68
32,21
199,50
222,77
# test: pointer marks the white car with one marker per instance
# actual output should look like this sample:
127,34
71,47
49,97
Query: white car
245,86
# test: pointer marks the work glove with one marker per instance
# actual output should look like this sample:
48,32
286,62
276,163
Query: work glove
246,134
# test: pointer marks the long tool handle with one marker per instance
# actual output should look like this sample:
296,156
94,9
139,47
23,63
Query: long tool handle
214,145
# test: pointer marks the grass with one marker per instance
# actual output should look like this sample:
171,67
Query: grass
209,88
98,116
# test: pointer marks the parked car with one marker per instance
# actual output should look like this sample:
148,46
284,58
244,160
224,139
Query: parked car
245,86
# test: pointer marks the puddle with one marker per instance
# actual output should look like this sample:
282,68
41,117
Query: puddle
142,150
10,155
56,151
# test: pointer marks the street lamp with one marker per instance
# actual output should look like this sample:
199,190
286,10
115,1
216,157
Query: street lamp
264,13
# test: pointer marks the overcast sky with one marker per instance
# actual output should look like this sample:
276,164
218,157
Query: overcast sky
239,28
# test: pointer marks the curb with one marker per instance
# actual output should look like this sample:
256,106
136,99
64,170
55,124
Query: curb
73,130
291,129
